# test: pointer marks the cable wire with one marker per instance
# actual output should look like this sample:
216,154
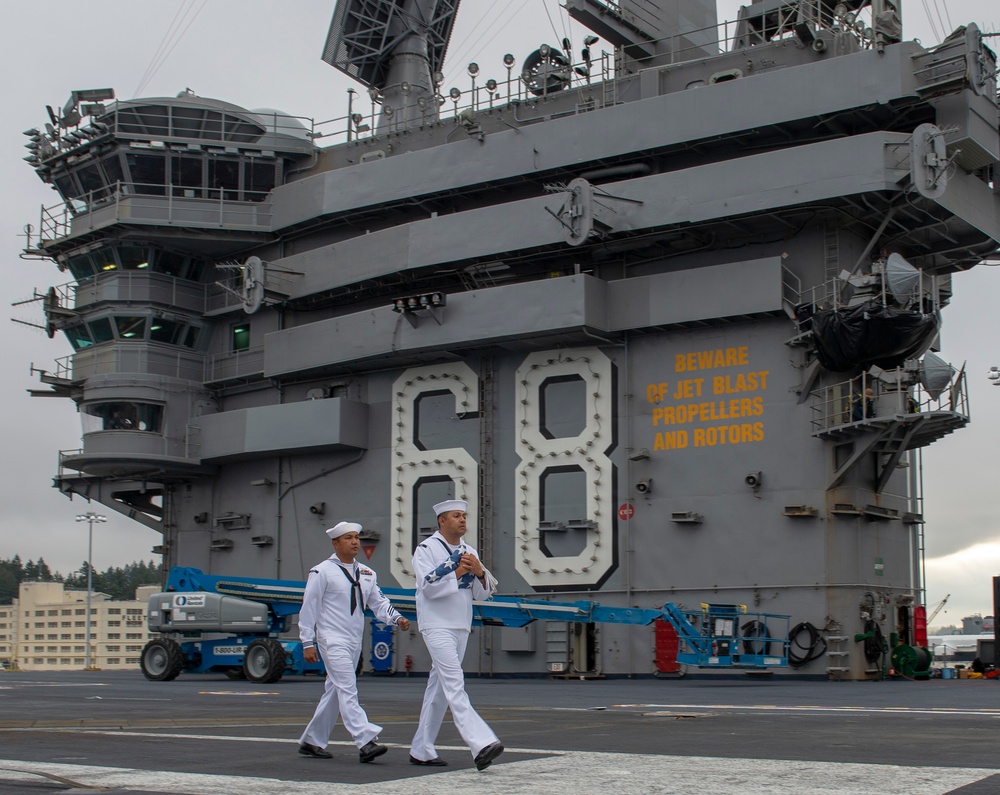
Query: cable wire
173,32
875,645
815,648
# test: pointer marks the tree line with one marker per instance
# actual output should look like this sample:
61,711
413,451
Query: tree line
118,582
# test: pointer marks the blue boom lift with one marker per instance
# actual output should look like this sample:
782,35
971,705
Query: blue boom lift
233,624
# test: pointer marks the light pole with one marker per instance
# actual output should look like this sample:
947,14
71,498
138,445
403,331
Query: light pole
90,517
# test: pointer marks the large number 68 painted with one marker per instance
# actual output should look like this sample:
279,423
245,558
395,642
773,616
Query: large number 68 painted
539,453
410,464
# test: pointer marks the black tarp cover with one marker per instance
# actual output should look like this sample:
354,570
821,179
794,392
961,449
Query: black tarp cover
871,334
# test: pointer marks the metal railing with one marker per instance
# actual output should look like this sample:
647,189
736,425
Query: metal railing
595,81
133,121
143,357
157,204
893,394
137,287
234,366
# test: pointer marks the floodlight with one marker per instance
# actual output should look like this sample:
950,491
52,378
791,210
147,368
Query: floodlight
935,374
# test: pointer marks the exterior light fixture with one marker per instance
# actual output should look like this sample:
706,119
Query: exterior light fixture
425,303
90,517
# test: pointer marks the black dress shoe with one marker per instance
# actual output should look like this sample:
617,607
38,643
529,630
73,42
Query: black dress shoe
437,761
369,751
485,757
314,750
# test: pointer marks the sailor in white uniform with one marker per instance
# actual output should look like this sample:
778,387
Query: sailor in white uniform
331,625
449,576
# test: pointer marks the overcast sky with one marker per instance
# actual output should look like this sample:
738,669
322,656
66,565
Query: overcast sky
260,54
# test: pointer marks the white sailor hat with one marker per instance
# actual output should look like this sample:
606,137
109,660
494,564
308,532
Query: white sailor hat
450,505
341,529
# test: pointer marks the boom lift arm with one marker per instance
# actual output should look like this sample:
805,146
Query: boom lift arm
713,636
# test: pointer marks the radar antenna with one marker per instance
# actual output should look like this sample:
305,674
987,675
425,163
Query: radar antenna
392,47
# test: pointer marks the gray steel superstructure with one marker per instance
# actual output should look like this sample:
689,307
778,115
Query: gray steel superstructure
629,305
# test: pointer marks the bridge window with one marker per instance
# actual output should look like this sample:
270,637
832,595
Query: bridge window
163,330
100,329
258,179
191,335
134,257
104,260
186,176
148,173
174,264
122,416
131,328
113,168
66,186
92,182
87,334
79,337
82,268
224,175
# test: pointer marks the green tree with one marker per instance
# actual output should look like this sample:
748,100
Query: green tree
8,583
44,573
118,582
11,575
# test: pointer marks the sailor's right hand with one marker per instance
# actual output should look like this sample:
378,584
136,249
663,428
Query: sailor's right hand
469,564
466,565
310,653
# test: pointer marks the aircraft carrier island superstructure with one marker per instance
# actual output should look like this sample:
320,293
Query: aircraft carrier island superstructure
663,305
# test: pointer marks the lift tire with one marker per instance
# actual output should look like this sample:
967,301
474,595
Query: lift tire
264,661
236,674
162,660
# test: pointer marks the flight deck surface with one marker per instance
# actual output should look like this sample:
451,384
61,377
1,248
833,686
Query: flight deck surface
117,732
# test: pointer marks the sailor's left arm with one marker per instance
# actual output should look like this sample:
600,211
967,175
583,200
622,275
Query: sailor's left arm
383,609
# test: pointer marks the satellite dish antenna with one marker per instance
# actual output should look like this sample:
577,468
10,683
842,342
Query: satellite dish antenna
935,374
252,291
902,279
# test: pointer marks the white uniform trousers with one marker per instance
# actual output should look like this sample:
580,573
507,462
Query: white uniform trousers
339,697
446,689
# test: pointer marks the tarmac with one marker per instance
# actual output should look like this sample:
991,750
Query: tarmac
116,732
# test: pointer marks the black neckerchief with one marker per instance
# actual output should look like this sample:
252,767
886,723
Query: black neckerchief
356,593
447,548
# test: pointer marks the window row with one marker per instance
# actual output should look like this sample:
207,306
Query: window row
135,257
121,416
164,173
134,328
